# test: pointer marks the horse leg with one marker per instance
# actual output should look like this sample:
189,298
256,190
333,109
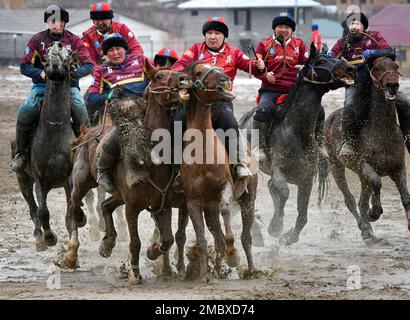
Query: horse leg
367,232
108,241
94,233
79,214
231,255
74,218
247,204
279,192
214,226
373,179
401,183
339,174
42,217
180,238
122,225
195,213
304,191
163,223
101,197
135,243
26,183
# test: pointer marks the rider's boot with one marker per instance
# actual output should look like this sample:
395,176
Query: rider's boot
22,146
110,153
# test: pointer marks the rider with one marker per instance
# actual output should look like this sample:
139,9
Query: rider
32,65
282,53
166,57
101,14
356,47
217,52
121,69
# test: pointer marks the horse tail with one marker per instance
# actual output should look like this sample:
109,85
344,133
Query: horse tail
323,176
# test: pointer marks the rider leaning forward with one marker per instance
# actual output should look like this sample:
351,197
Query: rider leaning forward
357,47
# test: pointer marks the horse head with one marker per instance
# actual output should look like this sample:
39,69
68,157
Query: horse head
58,61
168,86
385,75
322,69
209,84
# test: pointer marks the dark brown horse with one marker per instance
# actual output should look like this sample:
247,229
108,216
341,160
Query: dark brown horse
150,192
379,149
293,152
210,188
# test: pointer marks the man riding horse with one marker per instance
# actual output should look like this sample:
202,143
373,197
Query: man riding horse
121,69
357,47
282,53
32,65
217,52
102,14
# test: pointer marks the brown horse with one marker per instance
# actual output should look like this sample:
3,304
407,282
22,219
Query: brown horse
210,188
379,149
150,192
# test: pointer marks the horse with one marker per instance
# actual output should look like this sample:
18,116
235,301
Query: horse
211,187
379,149
150,190
50,166
293,152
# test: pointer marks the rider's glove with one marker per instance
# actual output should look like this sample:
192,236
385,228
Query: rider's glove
367,53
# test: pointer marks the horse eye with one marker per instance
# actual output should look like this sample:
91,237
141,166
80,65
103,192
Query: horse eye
159,77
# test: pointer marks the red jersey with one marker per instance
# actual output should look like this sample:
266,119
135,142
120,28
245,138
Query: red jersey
129,73
93,41
353,51
35,52
229,59
282,61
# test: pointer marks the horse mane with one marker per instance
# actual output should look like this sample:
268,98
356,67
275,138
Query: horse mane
190,69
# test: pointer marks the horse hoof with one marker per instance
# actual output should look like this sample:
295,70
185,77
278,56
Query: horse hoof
50,239
408,225
372,240
105,249
94,234
275,230
69,262
374,214
232,258
154,252
289,238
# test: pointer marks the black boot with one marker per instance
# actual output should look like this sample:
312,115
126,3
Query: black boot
320,139
262,127
110,153
22,146
104,165
241,168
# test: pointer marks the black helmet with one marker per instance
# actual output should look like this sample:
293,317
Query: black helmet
56,12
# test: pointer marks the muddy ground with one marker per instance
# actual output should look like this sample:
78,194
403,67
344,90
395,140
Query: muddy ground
329,262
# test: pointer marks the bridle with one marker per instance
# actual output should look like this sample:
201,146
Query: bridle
378,80
200,86
329,70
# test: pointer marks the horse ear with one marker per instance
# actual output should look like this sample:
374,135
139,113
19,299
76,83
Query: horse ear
148,70
312,53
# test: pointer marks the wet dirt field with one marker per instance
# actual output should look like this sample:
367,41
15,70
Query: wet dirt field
330,261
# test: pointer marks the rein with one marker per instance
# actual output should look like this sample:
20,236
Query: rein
329,70
377,80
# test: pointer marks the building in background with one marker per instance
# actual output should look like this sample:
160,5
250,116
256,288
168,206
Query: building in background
247,20
18,26
367,6
393,22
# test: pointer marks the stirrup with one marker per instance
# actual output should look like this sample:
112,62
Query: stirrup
178,186
105,181
18,162
241,171
346,150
